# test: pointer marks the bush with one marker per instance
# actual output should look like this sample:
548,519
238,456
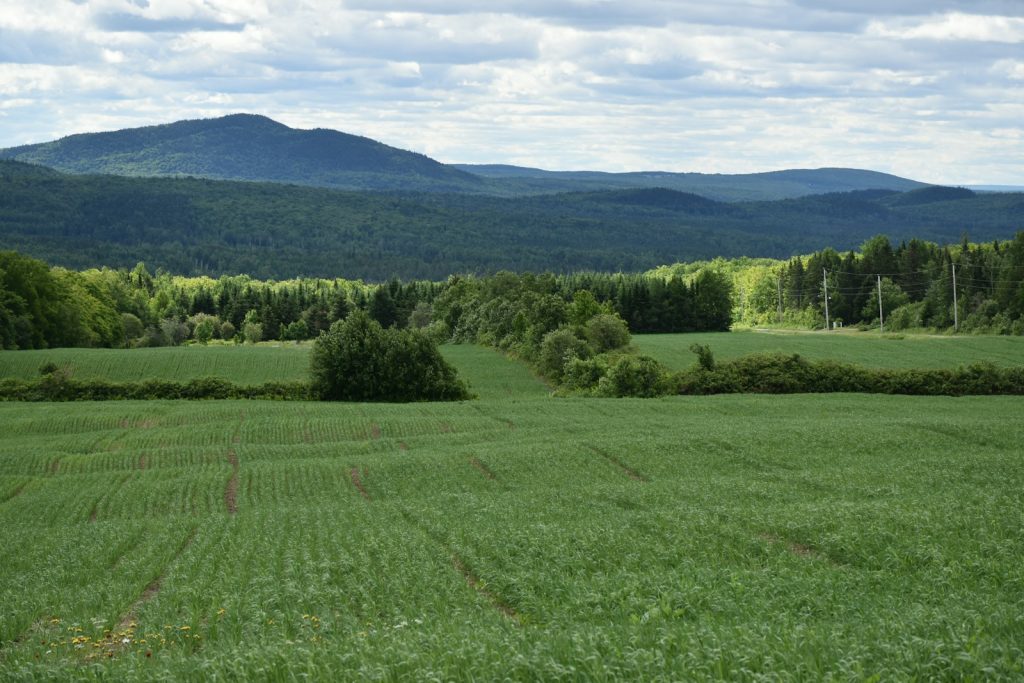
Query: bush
607,332
639,376
556,349
584,375
358,360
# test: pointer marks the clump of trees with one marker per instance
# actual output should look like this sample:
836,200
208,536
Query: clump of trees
359,360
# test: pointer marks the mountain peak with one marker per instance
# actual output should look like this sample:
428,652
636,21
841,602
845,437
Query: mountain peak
246,147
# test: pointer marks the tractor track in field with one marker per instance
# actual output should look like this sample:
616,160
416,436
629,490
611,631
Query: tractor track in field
14,494
800,549
54,467
626,469
357,481
153,587
374,431
480,587
96,506
231,490
468,575
483,469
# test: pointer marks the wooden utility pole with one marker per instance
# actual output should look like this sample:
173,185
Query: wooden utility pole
824,278
881,317
779,282
956,310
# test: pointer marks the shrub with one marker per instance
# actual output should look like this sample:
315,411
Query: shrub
606,332
640,376
358,360
557,348
584,375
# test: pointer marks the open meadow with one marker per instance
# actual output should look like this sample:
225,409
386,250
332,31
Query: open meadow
516,536
869,349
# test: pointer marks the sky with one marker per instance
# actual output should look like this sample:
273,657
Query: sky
927,89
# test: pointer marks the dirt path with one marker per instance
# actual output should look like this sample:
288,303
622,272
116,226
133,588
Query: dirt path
626,469
357,481
231,490
484,469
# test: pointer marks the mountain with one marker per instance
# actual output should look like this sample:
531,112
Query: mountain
247,147
270,230
255,148
722,187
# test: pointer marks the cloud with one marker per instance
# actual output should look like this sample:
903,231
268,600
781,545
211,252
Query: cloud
933,89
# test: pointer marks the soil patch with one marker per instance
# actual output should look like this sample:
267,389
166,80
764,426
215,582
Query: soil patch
127,622
626,469
476,584
14,494
357,481
374,430
231,490
484,469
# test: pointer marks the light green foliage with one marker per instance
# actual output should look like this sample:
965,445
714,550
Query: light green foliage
515,537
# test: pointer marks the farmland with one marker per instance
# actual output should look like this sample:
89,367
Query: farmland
870,349
518,535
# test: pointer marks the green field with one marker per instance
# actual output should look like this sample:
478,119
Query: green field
517,536
862,348
241,364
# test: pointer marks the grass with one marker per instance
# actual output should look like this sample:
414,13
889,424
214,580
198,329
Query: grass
241,364
517,536
862,348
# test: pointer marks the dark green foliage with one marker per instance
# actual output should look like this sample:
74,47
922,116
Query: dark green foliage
777,373
59,386
358,360
557,349
195,226
639,376
247,147
606,332
705,357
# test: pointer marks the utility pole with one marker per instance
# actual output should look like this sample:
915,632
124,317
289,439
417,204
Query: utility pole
881,318
956,310
824,278
779,282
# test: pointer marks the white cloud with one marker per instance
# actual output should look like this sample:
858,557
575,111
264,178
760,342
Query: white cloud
933,89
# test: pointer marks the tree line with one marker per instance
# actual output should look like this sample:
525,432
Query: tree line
916,281
47,307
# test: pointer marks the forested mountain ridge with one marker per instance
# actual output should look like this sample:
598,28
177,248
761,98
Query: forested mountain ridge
256,148
765,186
246,147
198,226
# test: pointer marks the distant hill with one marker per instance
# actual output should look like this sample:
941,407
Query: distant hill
268,230
722,187
247,147
255,148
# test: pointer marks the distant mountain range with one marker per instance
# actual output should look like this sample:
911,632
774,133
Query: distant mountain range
274,230
256,148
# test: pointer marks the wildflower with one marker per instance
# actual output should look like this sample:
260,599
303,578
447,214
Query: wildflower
55,620
221,612
185,628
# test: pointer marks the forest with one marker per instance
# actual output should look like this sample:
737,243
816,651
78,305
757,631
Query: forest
44,307
273,231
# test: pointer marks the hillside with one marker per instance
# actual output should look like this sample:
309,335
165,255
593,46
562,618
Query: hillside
723,187
246,147
197,226
256,148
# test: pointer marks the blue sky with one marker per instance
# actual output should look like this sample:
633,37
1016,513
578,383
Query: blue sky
928,89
